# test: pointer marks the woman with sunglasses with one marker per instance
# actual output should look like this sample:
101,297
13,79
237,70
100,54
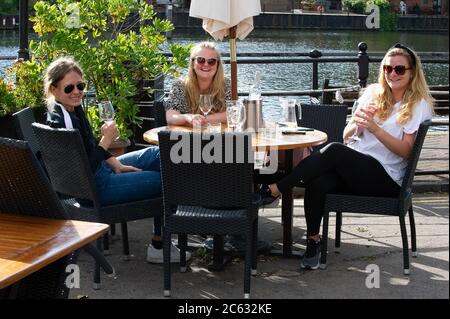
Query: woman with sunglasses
130,177
205,76
376,162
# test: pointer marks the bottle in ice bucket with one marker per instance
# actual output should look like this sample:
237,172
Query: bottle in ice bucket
255,90
253,106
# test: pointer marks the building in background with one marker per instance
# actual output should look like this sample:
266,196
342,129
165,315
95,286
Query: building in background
426,7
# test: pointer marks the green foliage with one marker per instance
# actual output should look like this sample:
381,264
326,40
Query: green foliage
101,36
12,6
28,85
388,19
9,7
7,100
356,6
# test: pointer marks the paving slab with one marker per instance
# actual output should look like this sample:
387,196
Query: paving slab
369,244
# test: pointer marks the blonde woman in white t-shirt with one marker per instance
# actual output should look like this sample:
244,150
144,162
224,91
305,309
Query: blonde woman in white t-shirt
386,122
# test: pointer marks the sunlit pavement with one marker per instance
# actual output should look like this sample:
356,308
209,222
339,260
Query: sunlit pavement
371,246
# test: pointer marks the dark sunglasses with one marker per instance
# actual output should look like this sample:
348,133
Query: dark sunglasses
202,60
399,69
408,50
69,88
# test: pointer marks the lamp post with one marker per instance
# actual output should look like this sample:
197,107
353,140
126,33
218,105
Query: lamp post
23,30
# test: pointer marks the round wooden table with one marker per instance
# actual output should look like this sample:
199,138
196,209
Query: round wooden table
282,142
286,143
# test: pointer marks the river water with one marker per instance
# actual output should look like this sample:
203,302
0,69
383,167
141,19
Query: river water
291,76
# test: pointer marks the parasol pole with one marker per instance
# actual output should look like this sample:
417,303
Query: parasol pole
233,63
23,30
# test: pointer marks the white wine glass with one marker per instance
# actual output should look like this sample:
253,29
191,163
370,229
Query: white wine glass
299,112
232,114
205,104
358,130
106,110
355,137
106,113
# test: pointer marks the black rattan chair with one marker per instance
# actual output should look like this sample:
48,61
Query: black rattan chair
70,174
391,206
204,197
328,118
159,113
25,190
23,120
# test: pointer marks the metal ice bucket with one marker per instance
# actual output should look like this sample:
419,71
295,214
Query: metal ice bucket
254,116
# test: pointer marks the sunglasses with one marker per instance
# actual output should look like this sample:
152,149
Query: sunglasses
399,69
201,60
69,88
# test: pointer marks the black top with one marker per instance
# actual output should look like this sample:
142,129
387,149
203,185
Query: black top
96,154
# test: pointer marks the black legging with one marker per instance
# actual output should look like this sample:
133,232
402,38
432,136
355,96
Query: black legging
337,167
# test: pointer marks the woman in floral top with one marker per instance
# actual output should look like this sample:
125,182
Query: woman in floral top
205,76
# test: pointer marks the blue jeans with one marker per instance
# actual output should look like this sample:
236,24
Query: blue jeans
131,186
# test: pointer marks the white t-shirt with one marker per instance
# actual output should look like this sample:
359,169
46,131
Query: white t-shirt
393,164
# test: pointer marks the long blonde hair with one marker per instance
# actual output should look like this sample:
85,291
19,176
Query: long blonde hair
217,88
416,91
54,73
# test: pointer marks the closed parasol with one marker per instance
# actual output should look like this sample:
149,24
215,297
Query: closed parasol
232,18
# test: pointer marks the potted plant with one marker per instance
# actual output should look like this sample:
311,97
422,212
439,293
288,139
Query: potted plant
7,107
118,43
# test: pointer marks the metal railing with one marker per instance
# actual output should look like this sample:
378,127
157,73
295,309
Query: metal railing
315,58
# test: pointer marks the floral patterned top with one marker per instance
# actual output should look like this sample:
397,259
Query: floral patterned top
177,97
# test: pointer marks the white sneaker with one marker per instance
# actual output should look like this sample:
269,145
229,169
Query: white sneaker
155,256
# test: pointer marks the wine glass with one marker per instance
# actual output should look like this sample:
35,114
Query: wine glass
106,113
106,110
205,104
358,130
299,110
233,114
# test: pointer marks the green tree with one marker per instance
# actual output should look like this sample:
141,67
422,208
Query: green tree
12,6
9,7
388,19
117,43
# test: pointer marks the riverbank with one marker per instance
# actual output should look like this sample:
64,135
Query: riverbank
308,20
302,20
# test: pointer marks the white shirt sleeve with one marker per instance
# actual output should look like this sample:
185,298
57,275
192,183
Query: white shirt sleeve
422,112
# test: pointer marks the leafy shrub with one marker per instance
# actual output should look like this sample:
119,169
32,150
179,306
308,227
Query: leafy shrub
116,42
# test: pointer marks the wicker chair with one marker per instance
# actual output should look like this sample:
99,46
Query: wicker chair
327,118
203,197
391,206
70,174
22,121
25,190
159,113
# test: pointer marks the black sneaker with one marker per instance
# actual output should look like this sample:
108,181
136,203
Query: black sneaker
266,198
311,258
234,245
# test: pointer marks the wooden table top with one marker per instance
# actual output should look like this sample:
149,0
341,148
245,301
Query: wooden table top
28,244
282,142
